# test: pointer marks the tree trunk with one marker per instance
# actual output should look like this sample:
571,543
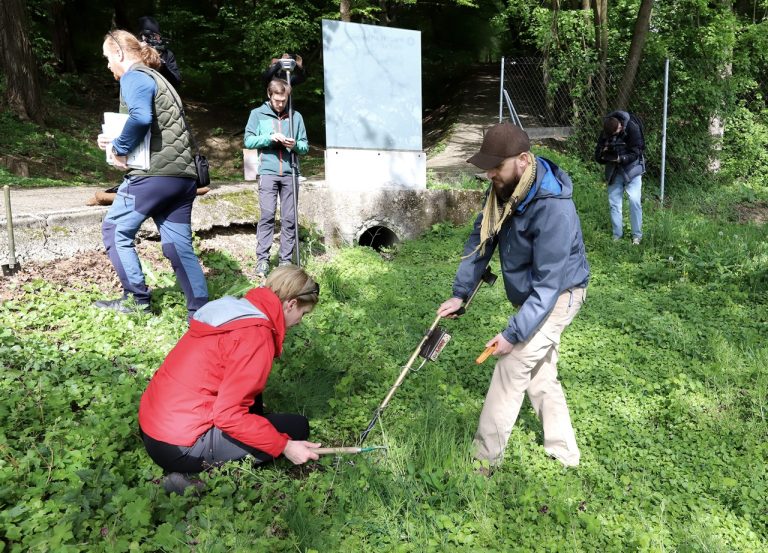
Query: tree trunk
344,11
549,94
601,45
62,40
725,73
642,24
18,63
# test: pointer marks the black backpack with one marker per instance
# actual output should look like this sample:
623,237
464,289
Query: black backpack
637,121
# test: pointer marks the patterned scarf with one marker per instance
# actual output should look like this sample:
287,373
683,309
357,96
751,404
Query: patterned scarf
495,212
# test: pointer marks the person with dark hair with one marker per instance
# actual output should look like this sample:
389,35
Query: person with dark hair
267,131
620,147
203,406
149,33
276,71
165,191
530,217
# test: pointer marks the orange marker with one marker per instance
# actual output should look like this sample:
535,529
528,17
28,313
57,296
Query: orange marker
486,354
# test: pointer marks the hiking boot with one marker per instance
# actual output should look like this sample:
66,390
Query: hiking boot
262,269
636,241
122,305
284,263
176,482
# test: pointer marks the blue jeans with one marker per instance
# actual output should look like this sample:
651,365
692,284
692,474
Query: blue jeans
168,200
615,199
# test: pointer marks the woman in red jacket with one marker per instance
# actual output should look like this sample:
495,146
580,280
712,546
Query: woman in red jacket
203,406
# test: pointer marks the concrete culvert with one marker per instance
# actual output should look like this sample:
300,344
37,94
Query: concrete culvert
378,237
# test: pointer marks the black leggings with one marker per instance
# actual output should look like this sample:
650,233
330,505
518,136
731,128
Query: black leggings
215,448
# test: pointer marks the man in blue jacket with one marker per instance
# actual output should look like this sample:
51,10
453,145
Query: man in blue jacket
620,148
530,217
267,130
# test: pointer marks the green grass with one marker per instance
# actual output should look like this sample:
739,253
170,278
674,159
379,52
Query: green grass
664,370
64,154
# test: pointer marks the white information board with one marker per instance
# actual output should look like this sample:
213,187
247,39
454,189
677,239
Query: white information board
372,87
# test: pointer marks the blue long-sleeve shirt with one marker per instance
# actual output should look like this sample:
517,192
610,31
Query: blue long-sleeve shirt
137,91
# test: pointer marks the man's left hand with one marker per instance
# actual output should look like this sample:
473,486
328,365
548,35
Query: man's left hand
503,347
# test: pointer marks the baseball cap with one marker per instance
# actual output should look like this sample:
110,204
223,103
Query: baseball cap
500,142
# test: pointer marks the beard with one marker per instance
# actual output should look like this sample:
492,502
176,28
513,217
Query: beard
504,190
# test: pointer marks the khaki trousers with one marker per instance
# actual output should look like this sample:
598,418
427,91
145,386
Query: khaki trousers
531,367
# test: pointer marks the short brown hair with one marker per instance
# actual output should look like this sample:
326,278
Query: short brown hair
278,86
610,126
290,282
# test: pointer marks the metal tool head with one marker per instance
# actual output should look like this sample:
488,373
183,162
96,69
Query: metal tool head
488,277
11,269
288,64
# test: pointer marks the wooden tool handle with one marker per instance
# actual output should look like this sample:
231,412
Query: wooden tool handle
486,354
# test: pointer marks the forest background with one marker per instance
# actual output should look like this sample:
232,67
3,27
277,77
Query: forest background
54,76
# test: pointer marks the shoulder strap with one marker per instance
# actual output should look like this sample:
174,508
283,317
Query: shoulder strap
156,75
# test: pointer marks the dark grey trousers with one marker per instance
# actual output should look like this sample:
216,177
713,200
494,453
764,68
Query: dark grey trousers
270,186
215,448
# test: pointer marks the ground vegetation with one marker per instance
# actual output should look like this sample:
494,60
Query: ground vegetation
663,370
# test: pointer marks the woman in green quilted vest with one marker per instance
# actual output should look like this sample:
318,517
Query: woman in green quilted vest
165,191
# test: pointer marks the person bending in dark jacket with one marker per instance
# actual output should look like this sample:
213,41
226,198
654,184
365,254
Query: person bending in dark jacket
530,217
620,148
149,33
203,406
276,71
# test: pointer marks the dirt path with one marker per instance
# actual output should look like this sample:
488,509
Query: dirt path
479,109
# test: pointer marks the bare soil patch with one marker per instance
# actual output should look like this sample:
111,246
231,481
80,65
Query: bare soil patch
93,269
756,212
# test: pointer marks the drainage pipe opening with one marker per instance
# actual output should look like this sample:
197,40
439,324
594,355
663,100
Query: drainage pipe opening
378,237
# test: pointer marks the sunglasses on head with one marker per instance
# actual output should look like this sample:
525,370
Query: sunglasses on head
315,291
122,52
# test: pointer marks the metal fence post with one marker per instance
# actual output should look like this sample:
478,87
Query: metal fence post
664,129
501,92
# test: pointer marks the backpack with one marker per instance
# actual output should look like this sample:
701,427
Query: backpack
637,121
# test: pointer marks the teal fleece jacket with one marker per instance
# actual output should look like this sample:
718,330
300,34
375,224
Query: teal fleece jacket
274,158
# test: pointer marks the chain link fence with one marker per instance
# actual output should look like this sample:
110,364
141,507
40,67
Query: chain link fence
707,107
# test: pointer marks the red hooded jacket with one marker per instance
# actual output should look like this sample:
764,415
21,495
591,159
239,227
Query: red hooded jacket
212,376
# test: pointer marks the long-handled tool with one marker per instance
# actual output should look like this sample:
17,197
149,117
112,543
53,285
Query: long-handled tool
11,267
347,450
429,348
288,65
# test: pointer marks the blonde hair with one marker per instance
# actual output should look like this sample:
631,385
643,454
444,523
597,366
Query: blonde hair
291,282
124,42
278,86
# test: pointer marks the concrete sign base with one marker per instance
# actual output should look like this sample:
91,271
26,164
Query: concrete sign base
370,169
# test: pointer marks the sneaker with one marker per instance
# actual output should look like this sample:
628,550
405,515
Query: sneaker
122,305
262,269
636,241
176,482
284,263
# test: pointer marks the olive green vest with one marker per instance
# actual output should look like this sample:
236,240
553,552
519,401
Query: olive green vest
170,146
